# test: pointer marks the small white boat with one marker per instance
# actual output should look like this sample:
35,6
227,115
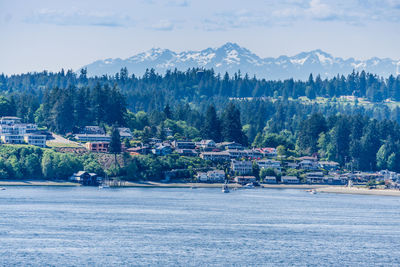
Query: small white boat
249,186
225,188
2,188
313,191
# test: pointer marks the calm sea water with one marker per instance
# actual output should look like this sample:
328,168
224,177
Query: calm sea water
54,226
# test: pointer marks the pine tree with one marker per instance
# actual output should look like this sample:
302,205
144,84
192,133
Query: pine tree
231,125
115,144
212,126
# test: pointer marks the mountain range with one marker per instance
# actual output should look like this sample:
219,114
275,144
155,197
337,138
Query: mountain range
231,57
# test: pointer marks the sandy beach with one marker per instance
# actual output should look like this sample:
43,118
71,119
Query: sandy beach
358,191
36,183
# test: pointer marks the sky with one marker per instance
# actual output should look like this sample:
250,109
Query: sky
53,34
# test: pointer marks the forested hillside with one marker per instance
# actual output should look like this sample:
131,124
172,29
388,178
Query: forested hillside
200,104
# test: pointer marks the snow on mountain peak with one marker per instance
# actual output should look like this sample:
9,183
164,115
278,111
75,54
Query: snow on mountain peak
231,56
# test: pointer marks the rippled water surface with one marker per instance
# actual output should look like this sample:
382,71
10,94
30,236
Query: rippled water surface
56,226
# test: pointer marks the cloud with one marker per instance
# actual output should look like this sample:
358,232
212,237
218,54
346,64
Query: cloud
241,18
178,3
78,18
163,25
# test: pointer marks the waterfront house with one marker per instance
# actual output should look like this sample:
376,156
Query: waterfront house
315,178
290,180
202,177
85,178
270,180
245,179
214,176
268,163
241,167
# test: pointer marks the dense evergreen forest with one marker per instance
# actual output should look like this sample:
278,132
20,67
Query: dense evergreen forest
199,104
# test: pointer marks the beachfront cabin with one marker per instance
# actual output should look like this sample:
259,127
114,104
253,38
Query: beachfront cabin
214,176
245,179
86,178
315,178
270,180
290,180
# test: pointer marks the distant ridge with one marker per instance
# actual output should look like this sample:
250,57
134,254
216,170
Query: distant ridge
231,57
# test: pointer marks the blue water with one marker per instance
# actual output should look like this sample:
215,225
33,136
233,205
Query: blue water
55,226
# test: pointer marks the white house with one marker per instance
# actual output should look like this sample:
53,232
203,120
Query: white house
290,180
241,167
268,163
270,180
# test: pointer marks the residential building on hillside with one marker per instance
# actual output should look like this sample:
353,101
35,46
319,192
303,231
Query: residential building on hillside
216,156
206,145
93,137
9,120
328,165
268,163
183,145
230,145
162,150
125,133
35,139
241,167
92,129
98,146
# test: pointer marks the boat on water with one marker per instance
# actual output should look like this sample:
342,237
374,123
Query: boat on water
2,188
313,191
249,186
225,188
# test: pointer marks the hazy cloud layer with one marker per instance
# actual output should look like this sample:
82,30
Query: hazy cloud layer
79,18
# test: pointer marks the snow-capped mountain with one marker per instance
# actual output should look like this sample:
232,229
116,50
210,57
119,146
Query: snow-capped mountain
231,57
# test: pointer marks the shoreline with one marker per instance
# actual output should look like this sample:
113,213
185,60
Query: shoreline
358,191
318,188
